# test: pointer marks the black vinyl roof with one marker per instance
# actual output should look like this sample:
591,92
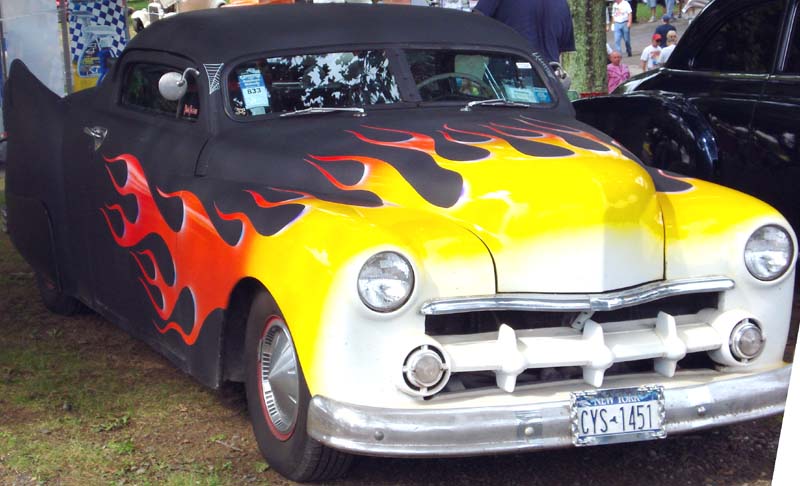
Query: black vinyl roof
217,35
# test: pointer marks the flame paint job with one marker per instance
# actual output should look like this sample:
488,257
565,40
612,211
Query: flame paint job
203,262
507,197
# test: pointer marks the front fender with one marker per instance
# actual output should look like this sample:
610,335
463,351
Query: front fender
311,269
706,229
665,130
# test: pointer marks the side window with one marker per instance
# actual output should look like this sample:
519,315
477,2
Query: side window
746,42
793,59
140,91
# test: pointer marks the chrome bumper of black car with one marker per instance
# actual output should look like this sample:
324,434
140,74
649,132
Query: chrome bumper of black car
456,431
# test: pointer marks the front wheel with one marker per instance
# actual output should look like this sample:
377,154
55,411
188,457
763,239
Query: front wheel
278,399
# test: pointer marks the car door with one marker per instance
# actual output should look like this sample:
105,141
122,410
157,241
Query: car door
776,130
130,148
722,65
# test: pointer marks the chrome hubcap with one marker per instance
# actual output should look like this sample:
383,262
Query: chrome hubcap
279,376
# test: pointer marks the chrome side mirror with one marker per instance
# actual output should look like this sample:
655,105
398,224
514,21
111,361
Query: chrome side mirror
172,86
561,74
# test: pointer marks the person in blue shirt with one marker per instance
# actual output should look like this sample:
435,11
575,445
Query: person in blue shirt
664,28
547,24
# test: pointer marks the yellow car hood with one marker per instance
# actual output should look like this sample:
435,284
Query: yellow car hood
559,208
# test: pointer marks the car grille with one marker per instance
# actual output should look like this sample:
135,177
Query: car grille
492,342
464,381
488,321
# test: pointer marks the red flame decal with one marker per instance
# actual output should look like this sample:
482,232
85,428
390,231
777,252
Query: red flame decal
203,263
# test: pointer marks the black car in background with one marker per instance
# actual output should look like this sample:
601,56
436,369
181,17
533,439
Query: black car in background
724,107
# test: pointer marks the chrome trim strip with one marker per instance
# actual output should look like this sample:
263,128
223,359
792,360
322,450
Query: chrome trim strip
529,426
607,301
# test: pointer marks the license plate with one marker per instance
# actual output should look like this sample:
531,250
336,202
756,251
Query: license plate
617,415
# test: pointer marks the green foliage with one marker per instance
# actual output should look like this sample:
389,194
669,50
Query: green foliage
216,437
122,447
113,424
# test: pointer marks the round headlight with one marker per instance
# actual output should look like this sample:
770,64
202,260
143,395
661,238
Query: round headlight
385,282
768,252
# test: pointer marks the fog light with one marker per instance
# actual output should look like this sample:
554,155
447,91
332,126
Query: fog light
747,341
425,370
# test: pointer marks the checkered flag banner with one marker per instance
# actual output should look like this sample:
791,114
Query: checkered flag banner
96,20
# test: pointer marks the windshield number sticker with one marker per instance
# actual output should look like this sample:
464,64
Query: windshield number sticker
520,94
254,91
542,95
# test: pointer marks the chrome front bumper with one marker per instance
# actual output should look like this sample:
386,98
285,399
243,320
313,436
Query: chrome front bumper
439,431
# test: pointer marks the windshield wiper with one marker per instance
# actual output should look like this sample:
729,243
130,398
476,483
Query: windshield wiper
321,109
495,102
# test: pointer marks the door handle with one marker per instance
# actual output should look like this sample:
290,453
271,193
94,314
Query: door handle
98,135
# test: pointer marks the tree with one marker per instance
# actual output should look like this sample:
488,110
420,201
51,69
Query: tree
587,65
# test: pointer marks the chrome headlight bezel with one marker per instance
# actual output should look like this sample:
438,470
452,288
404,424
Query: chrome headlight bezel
393,269
769,240
737,335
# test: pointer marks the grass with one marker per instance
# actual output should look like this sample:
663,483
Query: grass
83,403
643,11
137,4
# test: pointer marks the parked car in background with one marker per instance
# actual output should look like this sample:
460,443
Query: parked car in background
692,7
160,9
394,231
724,107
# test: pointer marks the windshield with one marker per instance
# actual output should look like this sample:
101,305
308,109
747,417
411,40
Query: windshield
448,75
292,83
364,78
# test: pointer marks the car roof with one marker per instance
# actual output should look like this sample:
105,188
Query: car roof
216,35
705,24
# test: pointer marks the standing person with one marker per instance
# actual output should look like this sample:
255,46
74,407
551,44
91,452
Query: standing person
664,28
672,40
669,7
617,72
634,5
547,24
652,5
622,17
651,54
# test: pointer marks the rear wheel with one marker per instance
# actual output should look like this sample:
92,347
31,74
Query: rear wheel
55,300
278,400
